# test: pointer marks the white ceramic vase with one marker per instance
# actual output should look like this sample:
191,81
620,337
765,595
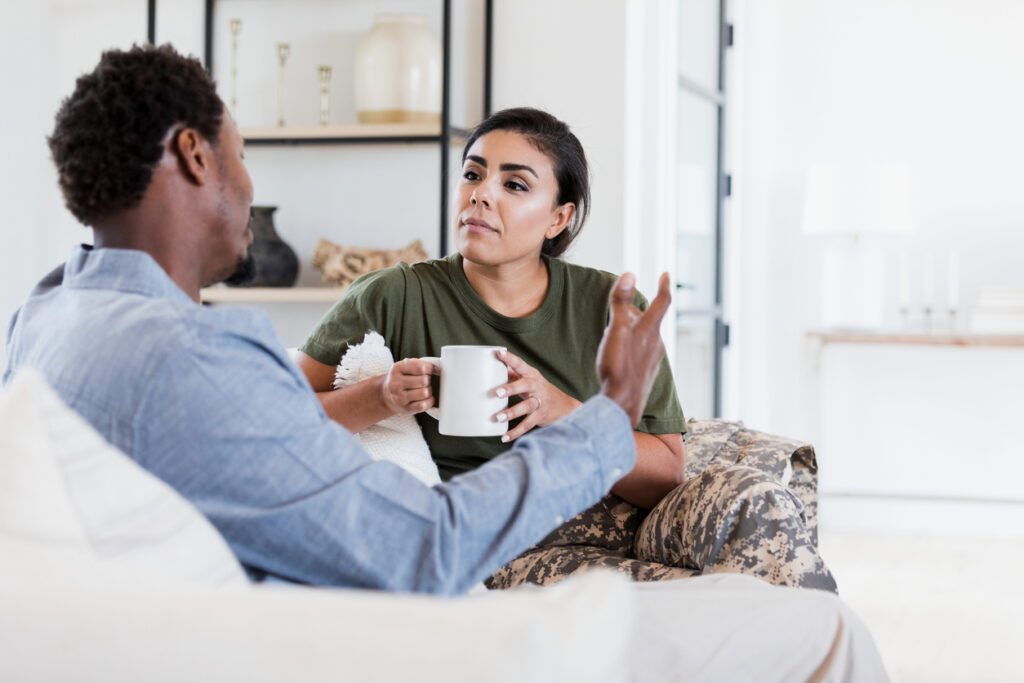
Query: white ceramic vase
398,72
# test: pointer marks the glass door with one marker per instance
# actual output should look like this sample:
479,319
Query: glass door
701,332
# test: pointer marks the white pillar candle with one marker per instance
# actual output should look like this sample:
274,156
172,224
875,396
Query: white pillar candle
928,298
953,280
904,281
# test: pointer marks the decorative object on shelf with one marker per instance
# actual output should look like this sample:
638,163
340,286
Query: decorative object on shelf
325,94
236,28
341,265
398,72
272,262
283,50
852,208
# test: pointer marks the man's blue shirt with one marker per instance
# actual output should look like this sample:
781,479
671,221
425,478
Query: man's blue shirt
207,399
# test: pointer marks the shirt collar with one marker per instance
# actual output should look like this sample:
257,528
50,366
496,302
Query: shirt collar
124,270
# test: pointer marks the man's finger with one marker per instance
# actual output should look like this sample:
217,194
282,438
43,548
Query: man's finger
656,311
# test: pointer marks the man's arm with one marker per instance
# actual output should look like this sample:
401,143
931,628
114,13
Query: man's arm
233,426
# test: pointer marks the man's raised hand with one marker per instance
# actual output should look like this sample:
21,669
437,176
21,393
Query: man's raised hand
631,349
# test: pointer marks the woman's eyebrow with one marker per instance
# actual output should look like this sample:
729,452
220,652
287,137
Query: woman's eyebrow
504,167
519,167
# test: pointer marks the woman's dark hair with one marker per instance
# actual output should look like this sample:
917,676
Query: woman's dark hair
554,139
107,138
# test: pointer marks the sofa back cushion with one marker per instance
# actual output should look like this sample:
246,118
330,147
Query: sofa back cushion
62,485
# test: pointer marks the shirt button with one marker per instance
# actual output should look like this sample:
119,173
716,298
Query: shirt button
617,473
559,519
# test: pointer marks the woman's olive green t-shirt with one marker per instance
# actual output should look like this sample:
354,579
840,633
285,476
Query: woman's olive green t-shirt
421,307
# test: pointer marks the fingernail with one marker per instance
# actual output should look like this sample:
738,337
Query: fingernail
504,439
500,417
627,281
500,393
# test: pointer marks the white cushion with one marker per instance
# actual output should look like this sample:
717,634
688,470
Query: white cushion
108,624
62,485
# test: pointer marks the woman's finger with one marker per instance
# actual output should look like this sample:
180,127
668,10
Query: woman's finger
517,388
524,407
515,363
528,423
418,394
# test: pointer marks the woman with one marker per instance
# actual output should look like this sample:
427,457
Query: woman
522,199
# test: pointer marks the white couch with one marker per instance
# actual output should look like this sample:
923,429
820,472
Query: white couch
106,574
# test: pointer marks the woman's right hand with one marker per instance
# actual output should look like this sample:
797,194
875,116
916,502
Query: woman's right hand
405,389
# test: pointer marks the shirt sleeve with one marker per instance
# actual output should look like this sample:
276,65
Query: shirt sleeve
232,425
373,302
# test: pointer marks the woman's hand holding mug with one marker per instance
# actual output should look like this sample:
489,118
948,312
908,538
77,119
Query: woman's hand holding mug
406,387
541,402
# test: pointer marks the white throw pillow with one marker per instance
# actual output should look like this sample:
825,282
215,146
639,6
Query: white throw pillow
397,439
63,486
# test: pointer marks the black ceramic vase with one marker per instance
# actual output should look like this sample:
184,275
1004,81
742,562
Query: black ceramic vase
272,263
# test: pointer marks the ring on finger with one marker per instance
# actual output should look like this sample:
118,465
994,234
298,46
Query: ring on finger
536,398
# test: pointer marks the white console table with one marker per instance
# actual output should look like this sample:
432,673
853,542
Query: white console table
918,432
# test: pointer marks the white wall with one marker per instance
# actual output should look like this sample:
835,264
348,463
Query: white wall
930,84
568,57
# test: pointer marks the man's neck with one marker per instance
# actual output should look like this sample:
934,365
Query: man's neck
150,236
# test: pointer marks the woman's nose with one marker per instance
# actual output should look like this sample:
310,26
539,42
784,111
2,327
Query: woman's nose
480,196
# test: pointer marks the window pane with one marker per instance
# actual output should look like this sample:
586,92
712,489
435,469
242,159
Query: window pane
697,201
695,365
698,41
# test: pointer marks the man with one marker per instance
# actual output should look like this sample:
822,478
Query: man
207,400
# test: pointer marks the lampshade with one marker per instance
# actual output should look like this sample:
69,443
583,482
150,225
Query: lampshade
857,200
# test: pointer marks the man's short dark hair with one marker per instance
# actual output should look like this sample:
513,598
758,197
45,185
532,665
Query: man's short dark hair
107,138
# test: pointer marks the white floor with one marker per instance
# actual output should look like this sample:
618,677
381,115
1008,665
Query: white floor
941,610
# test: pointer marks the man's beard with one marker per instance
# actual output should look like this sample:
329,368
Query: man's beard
244,272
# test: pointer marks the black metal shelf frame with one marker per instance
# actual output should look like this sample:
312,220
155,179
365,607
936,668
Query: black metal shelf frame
443,140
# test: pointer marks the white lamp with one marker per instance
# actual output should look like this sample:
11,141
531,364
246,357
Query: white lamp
843,204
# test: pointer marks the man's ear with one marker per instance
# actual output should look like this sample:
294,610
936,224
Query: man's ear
193,154
562,216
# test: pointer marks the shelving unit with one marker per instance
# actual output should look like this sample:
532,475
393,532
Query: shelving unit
357,134
271,295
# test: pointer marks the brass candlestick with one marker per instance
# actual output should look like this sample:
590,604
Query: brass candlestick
236,28
283,50
325,94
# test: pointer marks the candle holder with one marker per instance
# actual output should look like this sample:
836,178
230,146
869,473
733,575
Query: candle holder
236,28
325,94
283,50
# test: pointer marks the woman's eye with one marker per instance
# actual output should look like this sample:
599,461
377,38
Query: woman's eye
470,174
517,186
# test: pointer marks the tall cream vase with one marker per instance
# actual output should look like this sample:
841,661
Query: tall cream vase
398,72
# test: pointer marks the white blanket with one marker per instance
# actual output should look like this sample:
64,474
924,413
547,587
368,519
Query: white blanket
398,438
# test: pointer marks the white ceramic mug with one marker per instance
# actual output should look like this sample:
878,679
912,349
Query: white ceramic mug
467,404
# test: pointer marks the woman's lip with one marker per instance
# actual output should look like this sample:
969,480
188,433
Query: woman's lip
477,226
479,229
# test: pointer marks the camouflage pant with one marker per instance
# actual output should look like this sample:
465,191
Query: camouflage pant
749,505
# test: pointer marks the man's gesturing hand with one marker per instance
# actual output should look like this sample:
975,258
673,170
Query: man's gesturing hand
631,349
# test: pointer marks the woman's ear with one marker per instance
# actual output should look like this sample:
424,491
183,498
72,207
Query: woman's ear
193,154
563,215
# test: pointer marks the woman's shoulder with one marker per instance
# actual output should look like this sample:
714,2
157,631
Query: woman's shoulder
400,276
595,281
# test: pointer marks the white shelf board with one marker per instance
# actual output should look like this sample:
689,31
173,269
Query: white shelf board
271,295
351,130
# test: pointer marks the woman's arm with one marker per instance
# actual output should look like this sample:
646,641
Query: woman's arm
404,389
660,468
660,458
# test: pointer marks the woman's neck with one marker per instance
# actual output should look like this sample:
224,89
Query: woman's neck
515,290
